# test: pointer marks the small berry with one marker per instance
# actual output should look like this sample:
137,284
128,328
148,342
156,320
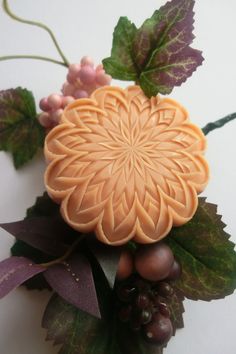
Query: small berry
86,60
146,316
175,271
67,100
125,266
103,79
99,68
68,89
55,101
74,70
142,301
153,262
163,309
125,313
87,74
80,94
164,289
45,120
71,79
56,116
43,104
126,293
159,330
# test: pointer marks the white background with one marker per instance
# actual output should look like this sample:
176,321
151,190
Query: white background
85,27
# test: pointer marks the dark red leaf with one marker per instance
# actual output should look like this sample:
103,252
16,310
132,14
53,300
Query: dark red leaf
14,271
73,281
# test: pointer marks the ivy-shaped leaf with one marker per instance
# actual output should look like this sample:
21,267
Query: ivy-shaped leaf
121,63
20,132
206,255
158,55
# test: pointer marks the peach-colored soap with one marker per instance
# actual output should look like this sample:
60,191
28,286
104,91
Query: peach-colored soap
125,166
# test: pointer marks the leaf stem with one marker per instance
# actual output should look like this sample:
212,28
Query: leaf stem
61,259
37,24
35,57
218,123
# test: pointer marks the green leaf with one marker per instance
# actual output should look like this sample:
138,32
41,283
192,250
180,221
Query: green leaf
121,64
206,255
20,132
44,206
78,332
176,307
158,55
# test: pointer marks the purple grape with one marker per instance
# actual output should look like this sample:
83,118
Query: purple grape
175,271
142,301
163,309
126,293
159,330
125,313
146,316
154,262
164,289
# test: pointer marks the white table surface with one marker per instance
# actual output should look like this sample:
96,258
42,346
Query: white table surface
85,28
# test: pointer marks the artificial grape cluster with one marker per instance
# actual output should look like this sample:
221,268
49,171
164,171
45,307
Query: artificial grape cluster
82,80
143,291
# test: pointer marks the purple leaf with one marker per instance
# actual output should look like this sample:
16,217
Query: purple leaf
45,234
108,257
169,74
73,280
14,271
171,26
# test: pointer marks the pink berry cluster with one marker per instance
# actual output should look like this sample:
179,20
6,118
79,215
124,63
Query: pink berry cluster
82,80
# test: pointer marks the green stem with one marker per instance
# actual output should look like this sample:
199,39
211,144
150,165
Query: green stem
35,57
218,124
38,24
61,259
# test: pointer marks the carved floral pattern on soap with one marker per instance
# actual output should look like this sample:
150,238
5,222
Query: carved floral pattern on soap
125,166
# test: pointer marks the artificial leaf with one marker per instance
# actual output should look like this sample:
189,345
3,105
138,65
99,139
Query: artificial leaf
159,52
176,307
44,206
206,255
168,31
108,258
73,281
45,234
121,65
79,332
20,132
14,271
22,249
170,73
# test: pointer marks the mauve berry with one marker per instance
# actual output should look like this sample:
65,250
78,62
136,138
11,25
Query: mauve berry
159,330
175,271
87,75
125,266
153,262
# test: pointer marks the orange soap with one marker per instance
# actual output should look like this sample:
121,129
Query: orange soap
125,166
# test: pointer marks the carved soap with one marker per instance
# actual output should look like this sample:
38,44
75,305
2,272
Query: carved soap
125,166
